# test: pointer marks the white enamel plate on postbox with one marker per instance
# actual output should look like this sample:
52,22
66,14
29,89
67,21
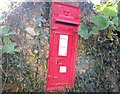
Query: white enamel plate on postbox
63,43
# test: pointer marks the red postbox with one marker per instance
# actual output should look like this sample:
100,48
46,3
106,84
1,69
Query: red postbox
63,46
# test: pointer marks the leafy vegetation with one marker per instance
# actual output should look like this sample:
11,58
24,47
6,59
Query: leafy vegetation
106,18
102,42
23,68
8,46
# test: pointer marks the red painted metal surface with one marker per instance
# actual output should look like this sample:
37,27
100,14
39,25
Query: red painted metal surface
63,46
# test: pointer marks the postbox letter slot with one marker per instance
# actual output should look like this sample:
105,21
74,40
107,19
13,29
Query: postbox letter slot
65,23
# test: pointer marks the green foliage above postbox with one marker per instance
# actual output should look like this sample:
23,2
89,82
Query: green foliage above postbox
106,18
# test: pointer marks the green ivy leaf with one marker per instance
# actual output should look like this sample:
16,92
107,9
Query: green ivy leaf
1,47
111,10
17,50
100,7
83,31
9,48
101,21
117,28
95,30
4,30
115,21
6,40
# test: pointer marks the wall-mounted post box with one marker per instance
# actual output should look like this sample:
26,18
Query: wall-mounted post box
63,46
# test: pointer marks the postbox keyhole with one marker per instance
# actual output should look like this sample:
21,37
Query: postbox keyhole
57,62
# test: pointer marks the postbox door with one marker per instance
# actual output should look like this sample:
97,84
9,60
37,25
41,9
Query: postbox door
60,60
